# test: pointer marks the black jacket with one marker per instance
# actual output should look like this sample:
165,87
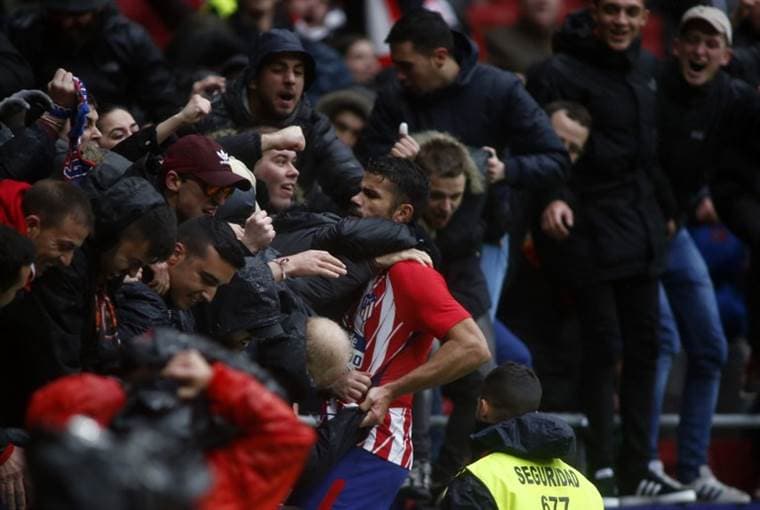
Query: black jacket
616,188
17,73
533,436
50,331
697,126
457,254
326,165
484,106
119,65
736,193
355,241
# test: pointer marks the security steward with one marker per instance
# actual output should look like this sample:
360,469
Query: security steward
520,468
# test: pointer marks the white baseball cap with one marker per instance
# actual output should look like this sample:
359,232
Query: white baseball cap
712,15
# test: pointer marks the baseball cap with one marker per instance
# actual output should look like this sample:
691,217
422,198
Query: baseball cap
715,17
204,159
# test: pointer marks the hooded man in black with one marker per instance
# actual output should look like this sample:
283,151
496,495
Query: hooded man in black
270,94
67,322
608,230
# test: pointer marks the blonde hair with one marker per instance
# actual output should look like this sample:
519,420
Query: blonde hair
328,350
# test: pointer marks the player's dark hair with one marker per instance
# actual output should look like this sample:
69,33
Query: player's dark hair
412,186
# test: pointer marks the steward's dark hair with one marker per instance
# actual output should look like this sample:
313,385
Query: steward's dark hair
412,186
199,233
575,111
53,201
16,251
158,226
425,29
512,390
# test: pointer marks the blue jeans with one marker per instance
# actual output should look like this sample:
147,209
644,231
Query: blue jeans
494,261
689,317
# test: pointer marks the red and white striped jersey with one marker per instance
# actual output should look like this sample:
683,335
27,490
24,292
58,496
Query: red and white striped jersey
392,329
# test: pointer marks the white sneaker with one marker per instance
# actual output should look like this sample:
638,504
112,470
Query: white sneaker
656,466
709,488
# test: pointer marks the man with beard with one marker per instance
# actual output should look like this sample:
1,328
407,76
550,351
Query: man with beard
113,56
270,95
392,326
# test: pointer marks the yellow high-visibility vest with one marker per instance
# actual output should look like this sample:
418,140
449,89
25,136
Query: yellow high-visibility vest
519,484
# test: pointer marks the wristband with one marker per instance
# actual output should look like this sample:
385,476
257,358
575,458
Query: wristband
281,263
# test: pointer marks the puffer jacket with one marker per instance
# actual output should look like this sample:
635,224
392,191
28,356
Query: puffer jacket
484,106
119,65
616,189
326,165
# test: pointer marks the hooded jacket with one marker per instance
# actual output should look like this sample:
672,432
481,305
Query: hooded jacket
326,165
616,189
49,331
483,106
530,446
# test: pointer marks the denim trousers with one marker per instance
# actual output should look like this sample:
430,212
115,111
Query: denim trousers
494,261
689,318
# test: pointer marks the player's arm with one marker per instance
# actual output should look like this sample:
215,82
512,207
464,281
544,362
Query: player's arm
463,350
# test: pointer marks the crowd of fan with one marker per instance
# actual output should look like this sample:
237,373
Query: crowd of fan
218,216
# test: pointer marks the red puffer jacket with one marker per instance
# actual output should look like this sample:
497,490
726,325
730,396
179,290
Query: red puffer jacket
256,470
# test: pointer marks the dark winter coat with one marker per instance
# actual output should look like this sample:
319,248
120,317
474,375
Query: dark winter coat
49,331
533,436
355,241
119,65
484,106
615,188
736,194
697,126
275,317
17,73
326,166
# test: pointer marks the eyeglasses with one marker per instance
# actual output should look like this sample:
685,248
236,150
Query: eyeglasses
217,193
